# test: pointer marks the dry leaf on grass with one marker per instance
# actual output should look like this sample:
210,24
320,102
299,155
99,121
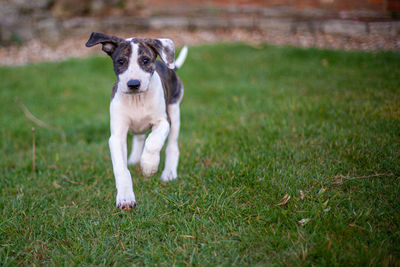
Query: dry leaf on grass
339,181
56,185
322,190
343,178
70,181
301,194
188,236
284,200
303,221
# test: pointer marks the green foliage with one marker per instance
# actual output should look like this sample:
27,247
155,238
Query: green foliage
16,39
257,123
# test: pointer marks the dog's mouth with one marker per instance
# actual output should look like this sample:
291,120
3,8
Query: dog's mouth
138,91
133,92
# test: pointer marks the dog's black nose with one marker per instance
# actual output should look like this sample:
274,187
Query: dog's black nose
133,84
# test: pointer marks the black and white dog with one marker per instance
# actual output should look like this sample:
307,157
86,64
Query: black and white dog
145,96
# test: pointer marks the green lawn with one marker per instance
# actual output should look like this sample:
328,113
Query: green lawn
257,123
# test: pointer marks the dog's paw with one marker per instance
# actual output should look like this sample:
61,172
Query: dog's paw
133,161
126,200
148,168
168,175
149,163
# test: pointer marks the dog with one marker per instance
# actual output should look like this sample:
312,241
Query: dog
146,96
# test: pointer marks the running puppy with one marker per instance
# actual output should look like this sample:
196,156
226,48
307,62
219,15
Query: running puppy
145,96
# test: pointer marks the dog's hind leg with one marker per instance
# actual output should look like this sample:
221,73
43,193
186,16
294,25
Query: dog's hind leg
172,150
137,149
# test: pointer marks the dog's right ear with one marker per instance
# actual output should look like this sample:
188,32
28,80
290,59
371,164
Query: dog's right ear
109,43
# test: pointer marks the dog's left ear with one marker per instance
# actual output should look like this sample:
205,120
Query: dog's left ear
165,49
109,43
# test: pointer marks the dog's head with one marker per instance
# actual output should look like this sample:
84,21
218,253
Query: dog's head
134,59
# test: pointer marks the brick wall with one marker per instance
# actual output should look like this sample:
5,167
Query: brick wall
353,5
393,5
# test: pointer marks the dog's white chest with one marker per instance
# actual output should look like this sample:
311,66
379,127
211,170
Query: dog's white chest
138,112
140,121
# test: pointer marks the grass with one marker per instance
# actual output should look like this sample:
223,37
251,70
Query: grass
257,123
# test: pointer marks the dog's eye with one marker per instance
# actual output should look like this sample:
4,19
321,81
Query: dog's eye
121,61
145,60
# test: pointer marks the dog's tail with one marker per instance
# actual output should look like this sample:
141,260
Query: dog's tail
181,58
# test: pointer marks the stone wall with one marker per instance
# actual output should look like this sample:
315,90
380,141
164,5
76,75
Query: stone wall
22,20
52,20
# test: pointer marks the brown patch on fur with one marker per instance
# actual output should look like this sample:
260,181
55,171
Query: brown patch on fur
121,57
158,48
117,48
150,48
110,43
171,83
114,89
146,53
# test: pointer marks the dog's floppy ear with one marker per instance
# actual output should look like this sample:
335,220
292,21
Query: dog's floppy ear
109,43
165,49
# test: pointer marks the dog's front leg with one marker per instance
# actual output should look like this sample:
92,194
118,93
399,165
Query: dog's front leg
117,142
152,147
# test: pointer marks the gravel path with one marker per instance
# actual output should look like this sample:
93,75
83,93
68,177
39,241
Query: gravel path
37,51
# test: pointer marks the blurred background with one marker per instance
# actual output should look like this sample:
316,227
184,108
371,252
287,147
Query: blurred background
32,31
